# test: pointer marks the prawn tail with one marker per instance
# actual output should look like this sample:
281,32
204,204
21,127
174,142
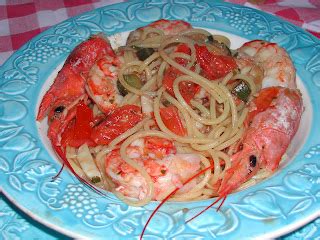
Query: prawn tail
65,162
170,195
223,198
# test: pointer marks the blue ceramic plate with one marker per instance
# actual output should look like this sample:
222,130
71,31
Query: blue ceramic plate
287,200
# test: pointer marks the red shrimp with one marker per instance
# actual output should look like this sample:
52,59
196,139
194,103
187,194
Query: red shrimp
101,83
271,129
273,120
167,169
68,88
274,60
90,72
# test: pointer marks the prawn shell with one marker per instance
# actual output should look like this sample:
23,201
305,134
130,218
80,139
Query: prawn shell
167,169
274,60
267,137
69,84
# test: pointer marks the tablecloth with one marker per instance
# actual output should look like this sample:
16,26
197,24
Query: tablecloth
21,20
303,13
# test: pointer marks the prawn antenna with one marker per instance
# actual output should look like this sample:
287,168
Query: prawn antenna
170,194
224,198
58,174
212,204
85,182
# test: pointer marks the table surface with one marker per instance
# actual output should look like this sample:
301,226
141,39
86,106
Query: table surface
21,20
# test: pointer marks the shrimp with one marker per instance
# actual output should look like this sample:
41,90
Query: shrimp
102,83
71,121
68,88
274,60
273,120
169,27
167,169
248,66
120,120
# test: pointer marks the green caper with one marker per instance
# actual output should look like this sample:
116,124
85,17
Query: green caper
144,53
95,179
131,79
242,91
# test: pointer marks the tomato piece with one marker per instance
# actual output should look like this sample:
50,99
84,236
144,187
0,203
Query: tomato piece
79,131
172,121
214,66
82,127
119,121
182,48
187,89
170,75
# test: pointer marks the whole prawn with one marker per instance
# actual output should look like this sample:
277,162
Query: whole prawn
68,88
268,136
89,74
273,121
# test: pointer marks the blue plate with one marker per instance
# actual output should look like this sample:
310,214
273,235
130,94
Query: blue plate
284,202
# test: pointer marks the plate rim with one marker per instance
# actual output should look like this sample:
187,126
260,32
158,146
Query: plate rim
17,54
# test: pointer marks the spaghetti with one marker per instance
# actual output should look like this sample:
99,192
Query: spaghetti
181,99
213,120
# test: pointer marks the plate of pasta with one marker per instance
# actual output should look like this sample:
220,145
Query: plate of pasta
149,120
